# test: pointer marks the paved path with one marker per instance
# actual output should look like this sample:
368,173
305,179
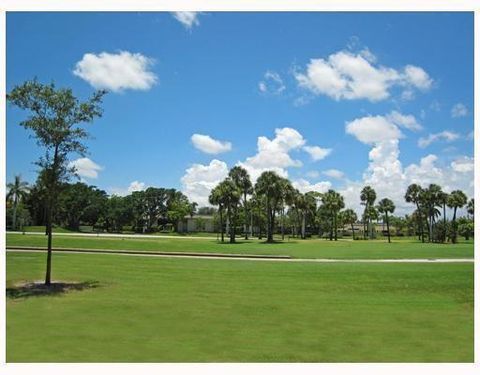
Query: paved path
74,234
275,258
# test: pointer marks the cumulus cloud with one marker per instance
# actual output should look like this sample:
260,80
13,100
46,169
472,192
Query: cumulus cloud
116,71
373,129
317,153
207,144
347,75
334,173
134,186
272,83
85,167
463,165
459,110
273,154
446,136
305,186
187,19
386,174
406,121
200,179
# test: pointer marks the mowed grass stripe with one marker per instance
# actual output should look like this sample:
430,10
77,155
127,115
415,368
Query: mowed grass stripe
189,310
295,248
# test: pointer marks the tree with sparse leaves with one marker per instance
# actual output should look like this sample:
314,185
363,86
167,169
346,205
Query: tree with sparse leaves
55,116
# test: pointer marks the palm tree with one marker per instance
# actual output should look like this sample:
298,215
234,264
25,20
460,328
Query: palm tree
350,217
443,198
412,195
334,202
367,197
215,199
471,207
269,184
287,199
386,206
431,199
457,199
17,191
241,178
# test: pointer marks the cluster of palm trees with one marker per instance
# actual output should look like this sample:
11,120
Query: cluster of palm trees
428,202
273,201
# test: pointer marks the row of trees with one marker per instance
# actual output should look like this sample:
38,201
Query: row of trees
273,203
80,204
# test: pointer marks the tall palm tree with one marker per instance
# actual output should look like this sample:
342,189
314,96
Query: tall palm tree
443,198
413,195
334,202
17,191
432,199
288,193
367,198
215,198
269,184
471,207
386,206
350,217
456,200
241,178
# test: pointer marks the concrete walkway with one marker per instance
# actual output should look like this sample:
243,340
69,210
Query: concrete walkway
117,235
254,257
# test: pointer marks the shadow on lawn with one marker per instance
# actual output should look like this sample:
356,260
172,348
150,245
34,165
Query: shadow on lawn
39,289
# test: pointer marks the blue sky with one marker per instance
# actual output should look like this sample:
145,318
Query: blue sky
383,98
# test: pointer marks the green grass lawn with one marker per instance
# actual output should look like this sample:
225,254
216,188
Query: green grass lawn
311,248
200,310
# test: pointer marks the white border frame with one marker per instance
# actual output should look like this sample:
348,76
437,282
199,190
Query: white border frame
233,5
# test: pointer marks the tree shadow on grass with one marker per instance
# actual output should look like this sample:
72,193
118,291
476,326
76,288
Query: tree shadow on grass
40,289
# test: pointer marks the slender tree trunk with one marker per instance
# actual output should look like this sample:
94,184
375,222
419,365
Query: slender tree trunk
331,229
420,221
454,225
444,223
283,222
353,231
388,227
14,218
221,224
245,219
48,274
335,224
303,225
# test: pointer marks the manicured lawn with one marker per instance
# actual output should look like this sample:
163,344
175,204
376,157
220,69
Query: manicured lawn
199,310
311,248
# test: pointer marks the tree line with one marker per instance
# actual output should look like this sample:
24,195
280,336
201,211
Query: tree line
78,204
273,204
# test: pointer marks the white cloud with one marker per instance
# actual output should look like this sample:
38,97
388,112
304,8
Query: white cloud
85,167
346,75
459,110
373,129
389,178
305,186
274,154
463,165
317,153
471,135
209,145
187,19
200,179
417,77
446,136
406,121
334,173
272,83
116,72
134,186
